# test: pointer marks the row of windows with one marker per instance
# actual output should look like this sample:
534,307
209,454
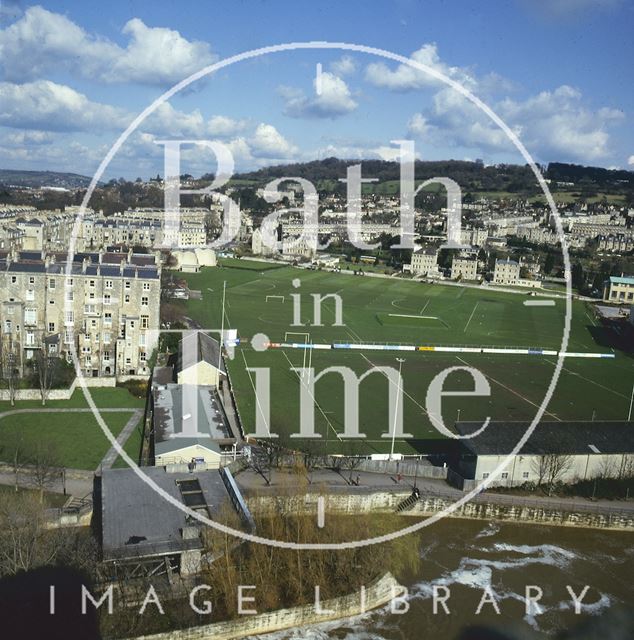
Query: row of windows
504,475
91,283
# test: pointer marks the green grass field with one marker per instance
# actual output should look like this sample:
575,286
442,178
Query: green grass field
76,438
468,317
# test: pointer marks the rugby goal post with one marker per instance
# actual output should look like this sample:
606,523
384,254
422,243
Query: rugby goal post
282,298
307,351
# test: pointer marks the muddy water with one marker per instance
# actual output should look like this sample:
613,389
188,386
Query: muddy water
468,557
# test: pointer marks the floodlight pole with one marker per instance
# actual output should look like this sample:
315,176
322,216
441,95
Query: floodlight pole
629,413
222,327
398,395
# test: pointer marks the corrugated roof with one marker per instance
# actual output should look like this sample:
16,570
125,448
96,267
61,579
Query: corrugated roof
622,280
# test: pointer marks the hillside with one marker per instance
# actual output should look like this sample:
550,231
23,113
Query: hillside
35,179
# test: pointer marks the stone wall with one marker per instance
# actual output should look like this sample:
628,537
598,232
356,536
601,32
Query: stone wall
481,508
377,594
59,394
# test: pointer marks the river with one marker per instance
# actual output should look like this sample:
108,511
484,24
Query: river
468,556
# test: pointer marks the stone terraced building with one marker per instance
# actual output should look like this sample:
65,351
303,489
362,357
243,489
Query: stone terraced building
107,306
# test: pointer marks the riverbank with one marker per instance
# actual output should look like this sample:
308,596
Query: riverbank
501,508
375,595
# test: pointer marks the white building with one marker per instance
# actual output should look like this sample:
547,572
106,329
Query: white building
464,268
506,272
570,451
424,261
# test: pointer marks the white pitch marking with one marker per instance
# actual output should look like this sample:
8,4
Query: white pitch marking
321,515
318,87
539,303
471,316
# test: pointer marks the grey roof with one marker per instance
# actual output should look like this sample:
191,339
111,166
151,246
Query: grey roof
196,347
137,521
187,412
578,438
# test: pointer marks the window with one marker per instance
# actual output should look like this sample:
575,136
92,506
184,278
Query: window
505,475
142,340
142,356
106,356
128,284
30,316
485,476
127,298
51,283
146,286
91,284
30,338
107,336
7,326
70,296
70,317
91,295
89,308
10,310
106,298
51,301
51,326
145,322
14,279
30,294
525,475
31,280
144,301
131,324
107,319
108,284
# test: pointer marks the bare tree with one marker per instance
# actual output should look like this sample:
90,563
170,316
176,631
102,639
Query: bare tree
21,533
9,362
550,469
15,450
47,367
45,467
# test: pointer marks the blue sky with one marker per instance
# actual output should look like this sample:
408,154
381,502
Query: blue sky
73,76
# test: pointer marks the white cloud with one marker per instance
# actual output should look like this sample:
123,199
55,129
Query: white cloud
268,142
345,66
42,41
418,126
552,125
29,138
630,160
334,99
566,8
47,106
407,78
157,56
558,124
167,121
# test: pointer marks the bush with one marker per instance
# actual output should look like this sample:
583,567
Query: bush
138,388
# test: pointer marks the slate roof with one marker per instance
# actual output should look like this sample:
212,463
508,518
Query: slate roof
576,438
138,522
204,348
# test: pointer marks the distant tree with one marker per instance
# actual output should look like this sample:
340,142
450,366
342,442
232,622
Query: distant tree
549,263
550,468
9,361
47,368
44,465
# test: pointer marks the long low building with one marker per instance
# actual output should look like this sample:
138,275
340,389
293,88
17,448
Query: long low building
568,452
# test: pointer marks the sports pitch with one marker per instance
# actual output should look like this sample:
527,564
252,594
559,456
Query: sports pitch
380,310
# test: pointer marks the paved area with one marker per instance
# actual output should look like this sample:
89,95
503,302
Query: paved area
251,482
122,438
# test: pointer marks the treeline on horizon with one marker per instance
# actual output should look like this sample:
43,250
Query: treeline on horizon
117,195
